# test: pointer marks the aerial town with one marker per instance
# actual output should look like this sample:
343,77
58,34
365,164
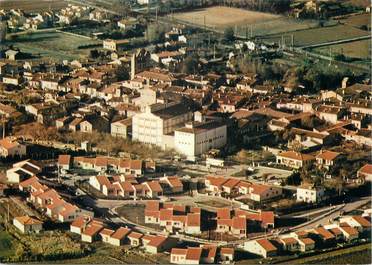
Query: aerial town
185,131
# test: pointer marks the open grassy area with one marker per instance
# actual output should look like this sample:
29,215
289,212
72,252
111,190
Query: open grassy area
354,255
7,246
215,203
323,35
220,17
356,49
52,44
358,20
33,5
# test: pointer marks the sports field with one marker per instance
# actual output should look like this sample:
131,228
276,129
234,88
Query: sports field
220,17
52,44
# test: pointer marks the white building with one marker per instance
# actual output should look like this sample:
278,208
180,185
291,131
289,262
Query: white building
198,137
310,194
261,247
10,148
27,224
157,124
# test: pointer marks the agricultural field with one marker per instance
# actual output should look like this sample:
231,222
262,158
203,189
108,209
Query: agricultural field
220,17
355,50
323,35
358,21
52,44
33,5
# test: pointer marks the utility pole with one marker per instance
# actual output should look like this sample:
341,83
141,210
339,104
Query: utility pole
251,31
292,42
330,56
205,23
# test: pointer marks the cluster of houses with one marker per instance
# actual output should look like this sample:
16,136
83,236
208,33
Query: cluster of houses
102,164
49,201
91,230
173,217
237,222
346,229
128,187
217,185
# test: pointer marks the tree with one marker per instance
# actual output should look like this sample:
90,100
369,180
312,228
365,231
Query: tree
228,34
121,73
155,33
190,64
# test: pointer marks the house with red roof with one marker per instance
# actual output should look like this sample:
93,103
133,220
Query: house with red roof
135,238
365,172
153,189
359,222
79,224
171,184
64,162
91,232
327,159
227,254
119,237
159,244
105,234
10,147
290,244
306,244
239,227
28,224
23,170
193,221
262,247
294,159
214,184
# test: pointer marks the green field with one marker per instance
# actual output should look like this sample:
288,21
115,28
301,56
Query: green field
356,49
6,245
52,44
320,35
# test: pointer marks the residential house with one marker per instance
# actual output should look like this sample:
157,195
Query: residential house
27,224
309,193
10,147
294,159
122,128
262,247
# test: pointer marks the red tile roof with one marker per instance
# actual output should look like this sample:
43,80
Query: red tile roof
135,235
153,205
165,214
328,155
194,253
120,233
224,213
266,244
193,219
366,169
157,241
296,156
106,232
239,223
179,251
64,159
324,233
27,220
